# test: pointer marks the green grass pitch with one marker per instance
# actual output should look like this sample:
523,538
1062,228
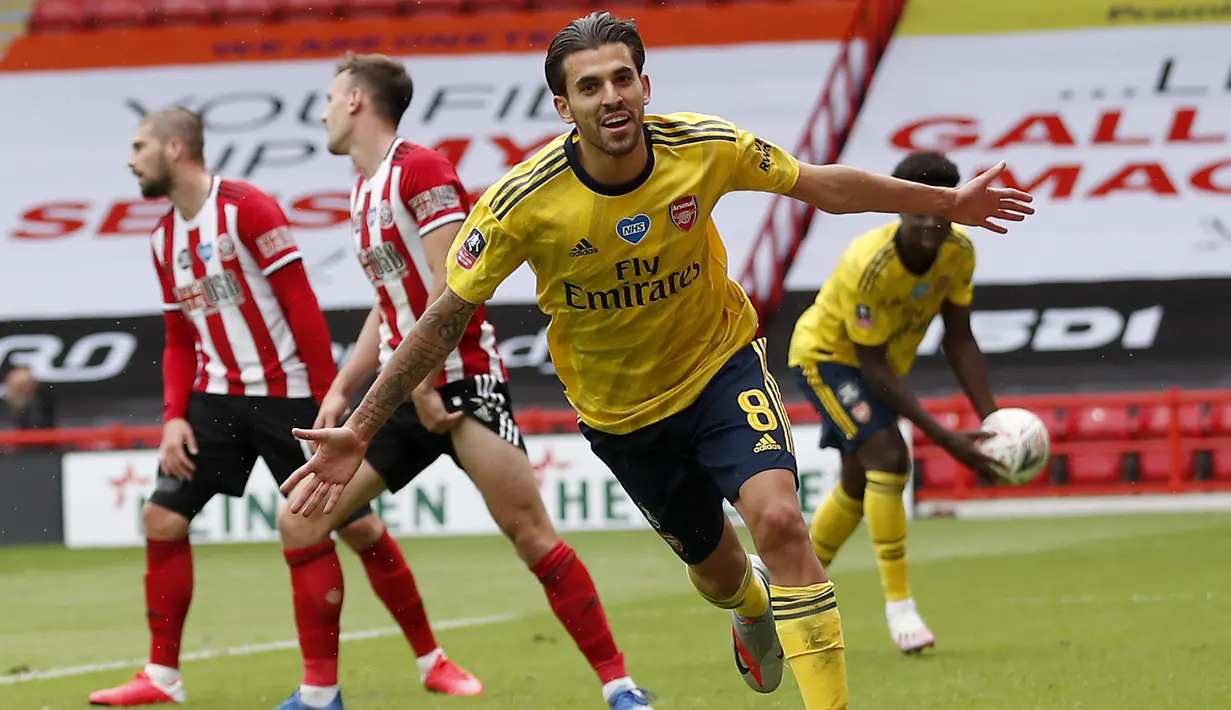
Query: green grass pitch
1121,613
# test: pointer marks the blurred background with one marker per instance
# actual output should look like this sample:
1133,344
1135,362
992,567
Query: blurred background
1106,313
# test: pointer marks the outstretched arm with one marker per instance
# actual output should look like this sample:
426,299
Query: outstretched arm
421,353
841,189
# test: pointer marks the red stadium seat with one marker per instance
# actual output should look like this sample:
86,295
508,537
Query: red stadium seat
1096,423
1057,424
248,10
115,13
939,473
57,15
1156,466
309,9
1155,422
1094,469
1219,421
949,420
182,12
373,8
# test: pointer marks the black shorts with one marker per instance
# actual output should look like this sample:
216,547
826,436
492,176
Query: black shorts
850,413
404,447
232,431
679,470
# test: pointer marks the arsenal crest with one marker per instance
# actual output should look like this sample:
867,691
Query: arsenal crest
684,212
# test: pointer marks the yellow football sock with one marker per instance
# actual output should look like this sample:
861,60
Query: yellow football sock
810,630
833,523
752,599
882,504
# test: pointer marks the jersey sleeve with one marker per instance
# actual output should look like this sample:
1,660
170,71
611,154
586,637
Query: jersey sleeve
868,319
962,293
761,166
482,256
432,191
164,281
266,233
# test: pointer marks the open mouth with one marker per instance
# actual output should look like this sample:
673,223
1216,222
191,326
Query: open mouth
616,121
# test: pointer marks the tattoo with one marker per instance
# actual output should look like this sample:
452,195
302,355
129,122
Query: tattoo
424,349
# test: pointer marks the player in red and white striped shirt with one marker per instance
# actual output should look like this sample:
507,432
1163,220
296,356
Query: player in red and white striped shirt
406,211
248,357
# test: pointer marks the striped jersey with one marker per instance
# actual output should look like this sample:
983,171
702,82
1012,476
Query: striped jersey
414,191
215,268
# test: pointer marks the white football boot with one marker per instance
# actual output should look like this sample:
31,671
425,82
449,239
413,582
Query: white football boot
758,652
907,627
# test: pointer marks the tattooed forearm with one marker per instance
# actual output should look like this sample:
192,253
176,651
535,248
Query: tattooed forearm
423,350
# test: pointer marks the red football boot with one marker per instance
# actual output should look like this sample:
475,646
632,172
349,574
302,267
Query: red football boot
139,691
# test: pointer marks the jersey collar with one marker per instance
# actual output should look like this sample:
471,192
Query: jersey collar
574,162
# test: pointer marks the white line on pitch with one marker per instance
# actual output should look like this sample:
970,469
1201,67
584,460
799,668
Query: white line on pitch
1095,599
245,650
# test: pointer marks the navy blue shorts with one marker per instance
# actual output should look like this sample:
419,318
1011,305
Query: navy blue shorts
850,413
679,470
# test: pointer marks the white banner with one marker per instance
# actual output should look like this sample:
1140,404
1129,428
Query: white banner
103,494
1120,134
72,213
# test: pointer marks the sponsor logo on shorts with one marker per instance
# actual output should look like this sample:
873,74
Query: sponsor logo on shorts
766,443
673,541
848,393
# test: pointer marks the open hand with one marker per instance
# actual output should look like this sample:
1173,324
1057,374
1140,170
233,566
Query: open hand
978,203
337,457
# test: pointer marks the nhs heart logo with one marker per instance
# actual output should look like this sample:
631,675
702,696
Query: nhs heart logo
633,229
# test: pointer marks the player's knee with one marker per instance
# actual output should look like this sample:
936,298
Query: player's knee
362,534
854,479
780,526
297,531
528,528
162,523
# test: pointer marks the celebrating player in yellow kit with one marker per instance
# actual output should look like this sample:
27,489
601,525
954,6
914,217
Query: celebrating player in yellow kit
849,351
655,344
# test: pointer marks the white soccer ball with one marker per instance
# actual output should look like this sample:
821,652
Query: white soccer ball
1021,444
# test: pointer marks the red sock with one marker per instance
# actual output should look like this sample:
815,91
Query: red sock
572,596
317,589
168,593
395,585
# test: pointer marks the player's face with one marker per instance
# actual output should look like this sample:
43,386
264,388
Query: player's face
337,117
606,98
149,162
924,233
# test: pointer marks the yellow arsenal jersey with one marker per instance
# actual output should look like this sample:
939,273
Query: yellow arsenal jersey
634,277
872,299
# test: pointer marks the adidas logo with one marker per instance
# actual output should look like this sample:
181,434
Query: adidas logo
583,248
766,443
